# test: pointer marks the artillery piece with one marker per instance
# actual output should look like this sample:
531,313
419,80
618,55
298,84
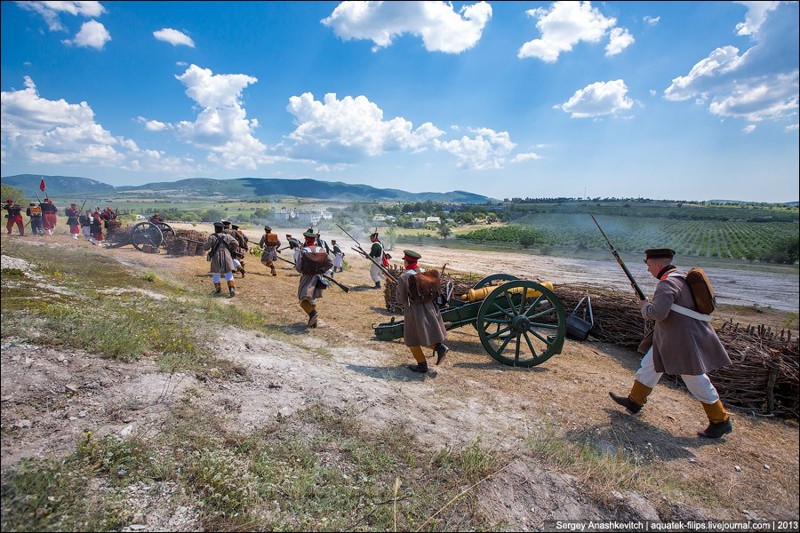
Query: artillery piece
519,322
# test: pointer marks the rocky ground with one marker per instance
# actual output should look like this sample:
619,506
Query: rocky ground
52,397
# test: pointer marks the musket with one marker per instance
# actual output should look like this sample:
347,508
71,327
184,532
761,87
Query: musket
635,285
83,204
361,251
345,288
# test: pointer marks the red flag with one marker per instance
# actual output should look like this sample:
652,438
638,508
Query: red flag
41,185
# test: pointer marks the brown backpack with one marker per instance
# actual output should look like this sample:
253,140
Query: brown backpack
272,239
702,293
315,263
424,286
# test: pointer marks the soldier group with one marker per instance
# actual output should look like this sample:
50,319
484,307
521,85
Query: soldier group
43,218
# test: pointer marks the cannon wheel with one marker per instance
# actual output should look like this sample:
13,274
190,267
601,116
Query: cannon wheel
519,331
146,234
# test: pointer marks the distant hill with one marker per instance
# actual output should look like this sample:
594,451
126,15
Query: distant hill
240,188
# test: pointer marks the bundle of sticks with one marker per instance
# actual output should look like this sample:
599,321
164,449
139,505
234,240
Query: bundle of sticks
185,242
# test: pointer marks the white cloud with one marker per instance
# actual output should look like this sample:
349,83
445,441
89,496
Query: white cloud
441,28
53,131
42,131
488,149
92,34
519,158
759,84
598,99
750,128
173,37
619,39
222,126
50,11
565,24
755,16
153,125
336,131
650,20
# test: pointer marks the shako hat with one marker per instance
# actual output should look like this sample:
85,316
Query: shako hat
234,226
267,228
218,226
411,254
226,222
657,253
310,234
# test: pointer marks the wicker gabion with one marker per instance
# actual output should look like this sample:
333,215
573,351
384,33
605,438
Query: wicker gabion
764,375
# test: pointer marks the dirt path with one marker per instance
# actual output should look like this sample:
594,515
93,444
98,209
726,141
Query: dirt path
469,397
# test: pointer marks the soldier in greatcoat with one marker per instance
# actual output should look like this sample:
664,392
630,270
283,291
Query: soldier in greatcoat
269,243
219,246
227,229
422,321
244,247
683,343
311,283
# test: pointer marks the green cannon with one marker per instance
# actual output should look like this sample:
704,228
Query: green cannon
520,322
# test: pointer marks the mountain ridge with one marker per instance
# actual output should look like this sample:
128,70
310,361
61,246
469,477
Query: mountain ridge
246,187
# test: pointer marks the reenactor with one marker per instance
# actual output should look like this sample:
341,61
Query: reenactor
338,257
34,212
73,219
226,228
49,215
295,245
377,253
313,262
244,246
269,243
14,216
423,324
219,245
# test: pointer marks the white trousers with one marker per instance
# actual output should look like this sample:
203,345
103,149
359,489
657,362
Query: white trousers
376,273
215,277
700,386
337,261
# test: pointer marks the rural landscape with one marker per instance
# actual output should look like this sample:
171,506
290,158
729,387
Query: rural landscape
135,400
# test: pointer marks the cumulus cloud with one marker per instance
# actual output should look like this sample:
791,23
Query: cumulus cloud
565,24
153,125
50,11
488,149
441,28
519,158
222,126
173,37
92,34
42,131
759,84
598,99
650,20
346,130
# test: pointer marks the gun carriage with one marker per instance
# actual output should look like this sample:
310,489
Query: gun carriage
519,322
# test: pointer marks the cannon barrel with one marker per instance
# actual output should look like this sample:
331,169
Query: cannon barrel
474,295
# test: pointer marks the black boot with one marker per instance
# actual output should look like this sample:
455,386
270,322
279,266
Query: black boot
422,368
217,289
377,285
716,430
441,350
312,320
231,289
626,402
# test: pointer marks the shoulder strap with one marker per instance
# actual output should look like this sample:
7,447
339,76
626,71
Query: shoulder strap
685,311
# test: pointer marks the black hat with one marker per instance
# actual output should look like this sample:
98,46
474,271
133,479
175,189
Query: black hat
309,234
411,254
218,226
226,222
234,226
656,253
267,228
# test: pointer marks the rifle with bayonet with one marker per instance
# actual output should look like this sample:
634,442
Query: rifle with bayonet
363,253
635,285
345,288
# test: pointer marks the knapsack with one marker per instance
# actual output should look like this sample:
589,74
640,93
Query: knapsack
424,286
702,293
315,263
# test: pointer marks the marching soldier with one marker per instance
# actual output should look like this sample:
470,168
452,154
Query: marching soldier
338,257
684,343
313,262
34,212
269,243
73,219
226,228
244,246
377,253
14,216
423,324
219,245
96,227
49,215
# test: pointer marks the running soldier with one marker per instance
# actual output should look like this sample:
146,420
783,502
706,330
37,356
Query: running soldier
219,245
49,214
269,243
244,246
34,212
313,262
14,216
73,219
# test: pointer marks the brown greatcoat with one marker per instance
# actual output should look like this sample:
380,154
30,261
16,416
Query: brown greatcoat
221,261
310,288
681,344
422,322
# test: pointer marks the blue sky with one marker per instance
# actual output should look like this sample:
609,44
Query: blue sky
664,100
